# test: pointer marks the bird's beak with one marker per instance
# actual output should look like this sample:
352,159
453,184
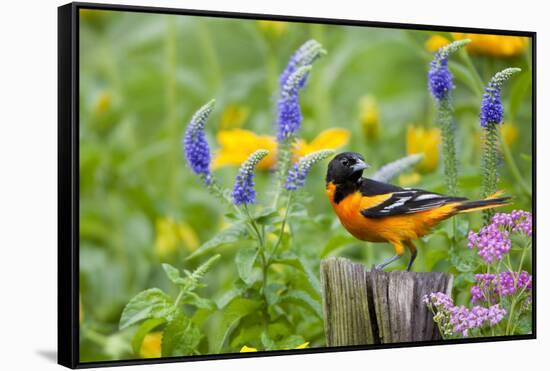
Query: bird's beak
359,166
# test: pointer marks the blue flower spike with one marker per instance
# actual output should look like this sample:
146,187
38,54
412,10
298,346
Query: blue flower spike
440,79
243,190
195,145
492,111
296,177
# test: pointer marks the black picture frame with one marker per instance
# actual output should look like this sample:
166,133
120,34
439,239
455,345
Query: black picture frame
68,179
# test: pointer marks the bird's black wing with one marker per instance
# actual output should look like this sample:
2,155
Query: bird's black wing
402,200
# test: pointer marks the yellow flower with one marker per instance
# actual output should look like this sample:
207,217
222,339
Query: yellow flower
237,144
369,117
170,234
272,28
435,42
509,133
151,345
494,45
246,349
425,141
333,138
406,180
103,102
234,116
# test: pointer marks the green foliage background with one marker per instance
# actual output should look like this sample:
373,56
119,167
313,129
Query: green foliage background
153,71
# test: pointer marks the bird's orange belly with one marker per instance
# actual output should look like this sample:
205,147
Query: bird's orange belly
385,229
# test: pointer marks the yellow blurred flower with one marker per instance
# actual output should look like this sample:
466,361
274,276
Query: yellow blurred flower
151,345
425,141
103,102
272,28
492,45
170,234
237,144
406,180
234,116
333,138
509,133
369,117
246,349
435,42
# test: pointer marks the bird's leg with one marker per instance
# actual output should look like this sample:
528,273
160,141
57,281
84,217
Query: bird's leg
413,251
398,253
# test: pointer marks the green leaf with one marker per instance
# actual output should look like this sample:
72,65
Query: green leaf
173,274
303,299
237,290
195,300
233,313
267,216
151,303
465,260
290,342
245,259
336,242
232,234
180,337
143,330
294,261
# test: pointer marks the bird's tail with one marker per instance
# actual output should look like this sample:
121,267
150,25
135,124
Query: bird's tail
493,200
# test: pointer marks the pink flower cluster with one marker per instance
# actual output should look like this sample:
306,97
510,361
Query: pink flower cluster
517,221
462,319
490,287
493,240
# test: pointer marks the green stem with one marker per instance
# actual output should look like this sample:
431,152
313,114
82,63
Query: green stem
445,122
282,229
95,337
473,71
489,166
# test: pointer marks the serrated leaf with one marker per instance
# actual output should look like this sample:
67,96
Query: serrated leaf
245,259
303,299
180,337
172,273
151,303
233,313
232,234
199,302
293,261
143,329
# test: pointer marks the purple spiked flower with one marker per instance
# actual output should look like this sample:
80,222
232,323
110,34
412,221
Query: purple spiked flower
197,151
492,111
243,190
293,78
440,79
297,174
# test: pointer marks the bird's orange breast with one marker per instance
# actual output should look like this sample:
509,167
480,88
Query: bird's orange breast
384,229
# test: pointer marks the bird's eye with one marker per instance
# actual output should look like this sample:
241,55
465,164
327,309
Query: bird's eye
345,162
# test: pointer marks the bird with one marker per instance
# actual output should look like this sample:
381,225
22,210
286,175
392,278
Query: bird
380,212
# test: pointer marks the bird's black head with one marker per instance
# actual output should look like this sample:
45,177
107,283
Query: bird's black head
346,167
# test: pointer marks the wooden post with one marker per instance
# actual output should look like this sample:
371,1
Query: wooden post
374,307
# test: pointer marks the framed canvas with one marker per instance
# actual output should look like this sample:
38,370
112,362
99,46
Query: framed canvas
241,185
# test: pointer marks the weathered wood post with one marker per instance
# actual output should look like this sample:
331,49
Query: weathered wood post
372,307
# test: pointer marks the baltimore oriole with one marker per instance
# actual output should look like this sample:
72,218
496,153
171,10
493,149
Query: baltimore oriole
380,212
